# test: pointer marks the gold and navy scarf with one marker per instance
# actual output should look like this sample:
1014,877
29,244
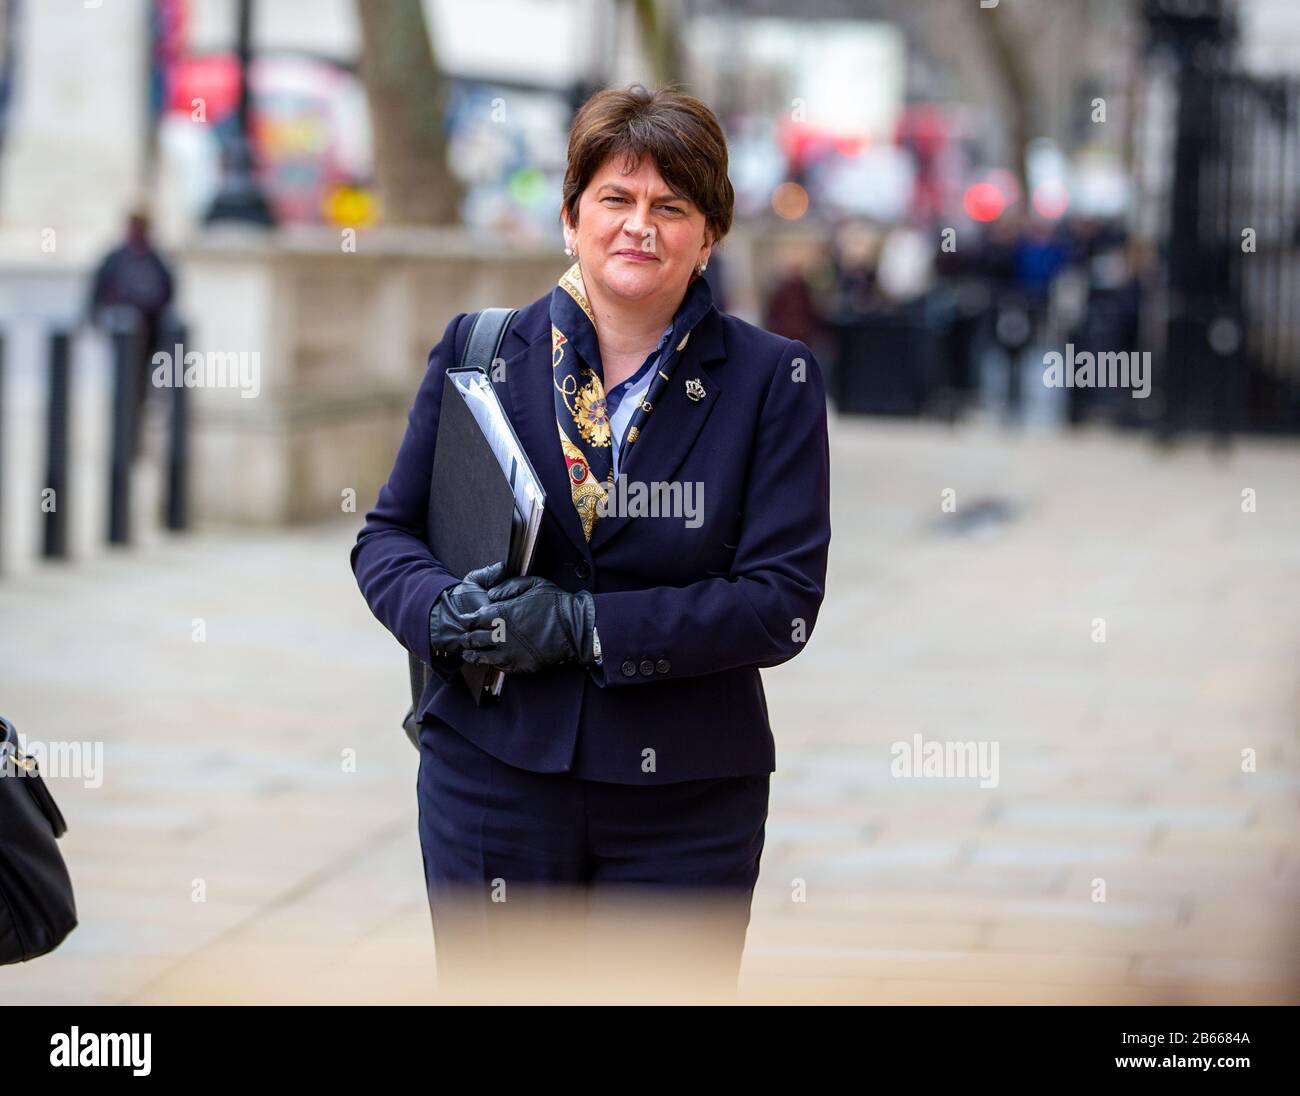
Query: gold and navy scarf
581,413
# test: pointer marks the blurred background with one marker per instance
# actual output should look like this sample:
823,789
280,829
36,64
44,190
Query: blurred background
1099,583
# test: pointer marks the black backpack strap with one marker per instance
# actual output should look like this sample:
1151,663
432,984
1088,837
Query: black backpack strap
486,333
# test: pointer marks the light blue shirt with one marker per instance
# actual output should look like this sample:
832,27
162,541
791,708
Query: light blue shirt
624,399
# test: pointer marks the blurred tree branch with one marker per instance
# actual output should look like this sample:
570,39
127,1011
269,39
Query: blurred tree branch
1007,45
407,96
660,25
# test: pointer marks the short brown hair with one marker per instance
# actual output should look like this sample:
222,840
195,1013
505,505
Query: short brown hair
680,134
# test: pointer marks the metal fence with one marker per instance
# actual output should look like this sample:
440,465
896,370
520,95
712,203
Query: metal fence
1222,198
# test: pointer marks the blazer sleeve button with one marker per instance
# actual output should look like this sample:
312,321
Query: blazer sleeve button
663,665
647,667
629,668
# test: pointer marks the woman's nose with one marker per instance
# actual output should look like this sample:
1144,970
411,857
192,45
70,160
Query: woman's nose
637,227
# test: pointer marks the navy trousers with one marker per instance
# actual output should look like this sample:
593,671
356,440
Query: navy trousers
615,880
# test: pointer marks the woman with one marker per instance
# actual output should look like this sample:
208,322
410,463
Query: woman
685,460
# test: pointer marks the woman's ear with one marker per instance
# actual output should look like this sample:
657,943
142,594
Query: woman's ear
707,251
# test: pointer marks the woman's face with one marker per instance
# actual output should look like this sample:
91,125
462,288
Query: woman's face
635,238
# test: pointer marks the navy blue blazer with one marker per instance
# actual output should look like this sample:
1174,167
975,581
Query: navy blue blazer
686,616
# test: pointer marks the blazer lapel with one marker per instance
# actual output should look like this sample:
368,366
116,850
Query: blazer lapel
673,426
531,407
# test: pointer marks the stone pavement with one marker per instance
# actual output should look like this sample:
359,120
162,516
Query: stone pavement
235,853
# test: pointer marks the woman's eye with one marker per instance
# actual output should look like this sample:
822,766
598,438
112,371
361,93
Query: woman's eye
618,198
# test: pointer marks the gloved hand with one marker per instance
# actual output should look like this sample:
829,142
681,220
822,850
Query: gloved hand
449,620
543,625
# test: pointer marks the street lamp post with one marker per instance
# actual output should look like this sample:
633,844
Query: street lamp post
239,197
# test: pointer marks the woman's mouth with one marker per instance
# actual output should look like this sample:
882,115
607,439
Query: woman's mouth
637,256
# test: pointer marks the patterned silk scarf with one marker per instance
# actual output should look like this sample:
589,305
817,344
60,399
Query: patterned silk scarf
581,412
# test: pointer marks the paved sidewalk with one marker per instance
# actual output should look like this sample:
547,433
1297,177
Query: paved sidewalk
234,851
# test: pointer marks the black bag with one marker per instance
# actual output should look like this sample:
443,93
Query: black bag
36,906
480,351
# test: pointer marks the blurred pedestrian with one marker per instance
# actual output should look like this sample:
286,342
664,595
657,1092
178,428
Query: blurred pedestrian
855,249
133,285
1038,256
791,307
905,270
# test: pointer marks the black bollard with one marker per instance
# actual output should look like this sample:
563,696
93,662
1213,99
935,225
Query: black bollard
1227,382
2,447
56,454
126,335
178,451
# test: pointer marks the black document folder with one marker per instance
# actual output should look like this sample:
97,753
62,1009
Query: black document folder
476,499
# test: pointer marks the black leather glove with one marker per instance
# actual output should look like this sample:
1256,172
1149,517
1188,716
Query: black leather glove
540,625
452,613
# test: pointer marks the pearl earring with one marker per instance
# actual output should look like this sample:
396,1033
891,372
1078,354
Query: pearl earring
568,251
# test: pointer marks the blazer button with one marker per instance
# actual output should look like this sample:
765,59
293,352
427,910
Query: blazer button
647,667
663,665
629,668
582,569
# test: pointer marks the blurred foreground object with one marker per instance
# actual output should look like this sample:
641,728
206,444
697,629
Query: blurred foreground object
37,910
623,944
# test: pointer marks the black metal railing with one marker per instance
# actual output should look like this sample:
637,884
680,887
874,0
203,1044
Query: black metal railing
1229,243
